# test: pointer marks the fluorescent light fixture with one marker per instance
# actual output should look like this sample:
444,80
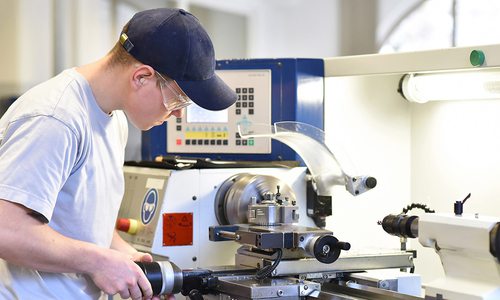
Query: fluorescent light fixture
477,84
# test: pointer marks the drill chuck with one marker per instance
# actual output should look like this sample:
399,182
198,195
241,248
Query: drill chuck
401,225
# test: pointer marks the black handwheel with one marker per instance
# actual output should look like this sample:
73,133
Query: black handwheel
327,249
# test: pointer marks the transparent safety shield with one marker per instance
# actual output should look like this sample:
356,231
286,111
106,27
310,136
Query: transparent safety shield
309,143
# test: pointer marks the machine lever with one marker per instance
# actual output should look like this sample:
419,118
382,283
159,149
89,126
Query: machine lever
344,246
458,208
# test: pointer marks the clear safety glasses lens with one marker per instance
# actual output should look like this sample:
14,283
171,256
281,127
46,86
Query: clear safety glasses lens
172,98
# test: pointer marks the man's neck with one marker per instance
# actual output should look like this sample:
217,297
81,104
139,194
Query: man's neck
106,84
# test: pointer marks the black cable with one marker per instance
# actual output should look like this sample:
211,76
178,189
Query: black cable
417,205
267,270
410,207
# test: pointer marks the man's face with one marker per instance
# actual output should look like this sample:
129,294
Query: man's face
157,99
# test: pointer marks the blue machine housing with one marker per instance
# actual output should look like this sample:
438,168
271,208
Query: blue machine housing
297,94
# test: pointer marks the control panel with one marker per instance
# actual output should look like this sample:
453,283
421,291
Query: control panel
269,91
203,131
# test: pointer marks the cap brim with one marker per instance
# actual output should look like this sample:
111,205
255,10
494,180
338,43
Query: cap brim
211,94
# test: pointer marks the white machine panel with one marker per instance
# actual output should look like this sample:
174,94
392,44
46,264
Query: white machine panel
191,194
202,131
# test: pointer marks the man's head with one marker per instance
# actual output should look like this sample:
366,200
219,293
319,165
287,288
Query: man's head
173,43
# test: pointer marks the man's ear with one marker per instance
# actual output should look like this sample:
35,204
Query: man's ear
142,74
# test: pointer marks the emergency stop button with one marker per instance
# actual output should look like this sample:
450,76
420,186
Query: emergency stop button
129,226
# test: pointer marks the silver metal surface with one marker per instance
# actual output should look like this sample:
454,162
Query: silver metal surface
237,192
312,268
282,288
331,291
272,214
390,284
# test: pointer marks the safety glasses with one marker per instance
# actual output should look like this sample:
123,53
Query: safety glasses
173,97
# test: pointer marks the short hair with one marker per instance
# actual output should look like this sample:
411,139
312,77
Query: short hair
119,56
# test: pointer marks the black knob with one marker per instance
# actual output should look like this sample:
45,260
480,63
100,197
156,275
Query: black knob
371,182
327,249
344,246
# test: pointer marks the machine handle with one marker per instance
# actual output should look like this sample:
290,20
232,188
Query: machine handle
327,248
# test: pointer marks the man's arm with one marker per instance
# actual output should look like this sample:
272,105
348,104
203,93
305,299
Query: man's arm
121,245
28,242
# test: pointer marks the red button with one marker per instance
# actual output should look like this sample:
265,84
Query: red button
179,142
130,226
123,224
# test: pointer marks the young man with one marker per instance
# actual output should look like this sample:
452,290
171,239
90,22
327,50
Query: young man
62,151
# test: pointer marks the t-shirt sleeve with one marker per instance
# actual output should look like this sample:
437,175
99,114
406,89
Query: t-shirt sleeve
37,154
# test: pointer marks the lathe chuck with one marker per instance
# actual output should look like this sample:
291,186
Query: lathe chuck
236,193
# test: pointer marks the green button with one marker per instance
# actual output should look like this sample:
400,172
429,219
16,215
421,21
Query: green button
250,142
477,58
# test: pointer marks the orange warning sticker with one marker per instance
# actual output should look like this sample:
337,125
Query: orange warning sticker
178,229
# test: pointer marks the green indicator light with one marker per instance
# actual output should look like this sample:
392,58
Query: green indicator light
476,58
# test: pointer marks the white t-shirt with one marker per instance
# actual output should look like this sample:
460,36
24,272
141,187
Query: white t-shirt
62,156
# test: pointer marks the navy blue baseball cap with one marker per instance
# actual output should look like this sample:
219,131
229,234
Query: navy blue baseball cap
173,42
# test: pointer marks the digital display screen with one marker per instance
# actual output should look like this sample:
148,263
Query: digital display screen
196,114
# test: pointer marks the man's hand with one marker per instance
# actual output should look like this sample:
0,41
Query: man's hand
111,270
117,273
142,257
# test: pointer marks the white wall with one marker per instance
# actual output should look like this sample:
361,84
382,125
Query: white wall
389,14
455,151
373,127
27,44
